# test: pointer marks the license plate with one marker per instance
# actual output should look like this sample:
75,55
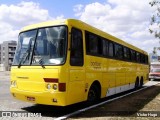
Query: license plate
31,98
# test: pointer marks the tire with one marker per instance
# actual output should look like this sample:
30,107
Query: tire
93,94
151,79
141,83
136,84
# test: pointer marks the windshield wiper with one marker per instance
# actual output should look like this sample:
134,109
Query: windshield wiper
41,63
24,57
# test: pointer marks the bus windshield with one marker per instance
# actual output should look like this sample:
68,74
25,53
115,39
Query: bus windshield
44,46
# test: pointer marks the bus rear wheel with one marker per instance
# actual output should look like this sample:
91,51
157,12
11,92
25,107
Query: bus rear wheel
136,84
141,82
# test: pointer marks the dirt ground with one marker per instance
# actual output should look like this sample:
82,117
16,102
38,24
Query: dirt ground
145,103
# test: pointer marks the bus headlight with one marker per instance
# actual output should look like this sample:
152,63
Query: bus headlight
48,86
13,83
55,87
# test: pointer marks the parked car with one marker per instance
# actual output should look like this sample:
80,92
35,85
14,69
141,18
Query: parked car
154,73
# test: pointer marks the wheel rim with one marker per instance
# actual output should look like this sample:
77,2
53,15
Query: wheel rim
92,95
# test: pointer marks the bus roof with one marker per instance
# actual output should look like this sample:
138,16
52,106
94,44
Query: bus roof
84,26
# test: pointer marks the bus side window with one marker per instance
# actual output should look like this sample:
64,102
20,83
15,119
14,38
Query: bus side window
133,55
105,47
111,52
138,57
92,44
142,58
127,54
146,59
76,57
118,49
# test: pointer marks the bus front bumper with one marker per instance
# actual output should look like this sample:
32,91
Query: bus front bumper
46,97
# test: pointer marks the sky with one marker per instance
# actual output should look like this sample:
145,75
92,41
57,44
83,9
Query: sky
128,20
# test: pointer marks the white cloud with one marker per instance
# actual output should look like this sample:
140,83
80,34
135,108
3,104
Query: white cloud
22,14
77,9
7,32
128,20
14,17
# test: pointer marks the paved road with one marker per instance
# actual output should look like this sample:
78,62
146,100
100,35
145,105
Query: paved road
8,103
6,100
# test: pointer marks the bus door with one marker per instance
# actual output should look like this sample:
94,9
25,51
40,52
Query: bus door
77,71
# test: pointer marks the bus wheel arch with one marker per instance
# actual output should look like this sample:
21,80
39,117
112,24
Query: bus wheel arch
94,93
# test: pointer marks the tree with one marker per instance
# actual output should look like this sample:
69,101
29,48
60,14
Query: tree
155,19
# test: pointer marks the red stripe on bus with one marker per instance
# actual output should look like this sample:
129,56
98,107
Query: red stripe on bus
54,80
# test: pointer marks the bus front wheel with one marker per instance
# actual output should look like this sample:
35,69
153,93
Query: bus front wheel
93,94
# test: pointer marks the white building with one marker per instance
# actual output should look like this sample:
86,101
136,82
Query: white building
7,54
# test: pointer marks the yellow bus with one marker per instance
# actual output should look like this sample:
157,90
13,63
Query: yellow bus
63,62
